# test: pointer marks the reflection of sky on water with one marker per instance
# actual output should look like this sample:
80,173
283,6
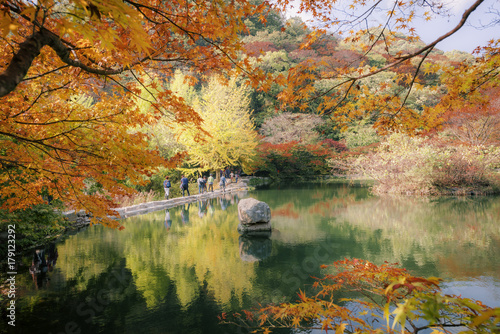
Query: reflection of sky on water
485,289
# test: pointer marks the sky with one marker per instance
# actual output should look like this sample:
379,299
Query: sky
470,36
466,39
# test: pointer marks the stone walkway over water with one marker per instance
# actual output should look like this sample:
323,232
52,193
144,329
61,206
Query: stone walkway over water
143,208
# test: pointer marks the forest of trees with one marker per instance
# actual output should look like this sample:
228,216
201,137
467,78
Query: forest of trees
100,101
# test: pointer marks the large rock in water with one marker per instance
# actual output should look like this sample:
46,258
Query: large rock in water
254,215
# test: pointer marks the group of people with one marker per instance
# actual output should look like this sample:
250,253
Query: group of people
203,182
233,175
184,186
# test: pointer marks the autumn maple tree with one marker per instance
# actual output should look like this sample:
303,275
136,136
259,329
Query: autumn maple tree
357,296
370,26
71,73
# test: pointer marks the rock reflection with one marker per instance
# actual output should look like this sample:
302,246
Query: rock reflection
255,246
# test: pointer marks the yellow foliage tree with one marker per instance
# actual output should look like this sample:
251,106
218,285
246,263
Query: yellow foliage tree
229,138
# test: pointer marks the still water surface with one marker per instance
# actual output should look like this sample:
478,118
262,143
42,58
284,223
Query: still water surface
175,271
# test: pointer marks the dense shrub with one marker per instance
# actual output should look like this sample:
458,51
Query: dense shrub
414,165
360,135
460,172
335,145
328,129
341,163
293,160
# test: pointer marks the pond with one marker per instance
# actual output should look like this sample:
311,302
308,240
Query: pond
175,271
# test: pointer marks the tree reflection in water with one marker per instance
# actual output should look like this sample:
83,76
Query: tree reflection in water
179,278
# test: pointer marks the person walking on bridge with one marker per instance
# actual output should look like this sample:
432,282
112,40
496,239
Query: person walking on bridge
210,183
166,186
200,185
222,183
185,185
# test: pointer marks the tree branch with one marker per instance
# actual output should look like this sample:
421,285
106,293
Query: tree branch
20,64
30,49
426,49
